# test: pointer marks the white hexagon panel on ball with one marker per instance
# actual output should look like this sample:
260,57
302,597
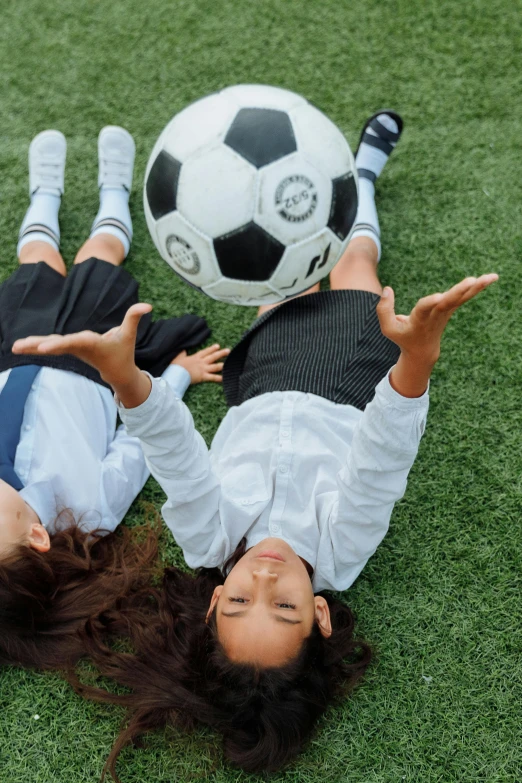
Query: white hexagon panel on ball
239,293
187,251
294,199
216,190
321,142
306,263
262,96
201,124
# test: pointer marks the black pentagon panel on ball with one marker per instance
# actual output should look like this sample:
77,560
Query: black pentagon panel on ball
248,253
162,185
344,205
261,136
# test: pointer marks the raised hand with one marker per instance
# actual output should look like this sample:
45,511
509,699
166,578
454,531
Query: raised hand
112,354
205,365
418,335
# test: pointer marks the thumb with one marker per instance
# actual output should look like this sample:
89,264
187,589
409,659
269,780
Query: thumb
386,310
132,319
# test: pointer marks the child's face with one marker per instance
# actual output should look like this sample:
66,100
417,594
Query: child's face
19,524
266,607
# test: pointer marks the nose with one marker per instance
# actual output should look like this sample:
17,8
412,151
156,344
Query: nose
264,575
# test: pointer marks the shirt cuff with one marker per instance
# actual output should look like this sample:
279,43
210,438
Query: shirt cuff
143,411
388,393
178,378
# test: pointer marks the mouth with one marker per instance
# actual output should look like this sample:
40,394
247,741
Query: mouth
269,554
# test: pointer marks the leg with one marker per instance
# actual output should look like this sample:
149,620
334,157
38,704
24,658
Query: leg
111,232
39,238
103,246
265,308
33,252
357,267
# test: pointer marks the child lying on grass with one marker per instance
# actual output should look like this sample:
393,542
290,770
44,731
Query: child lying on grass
66,469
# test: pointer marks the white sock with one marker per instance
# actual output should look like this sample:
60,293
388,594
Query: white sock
114,216
371,158
370,162
366,221
41,220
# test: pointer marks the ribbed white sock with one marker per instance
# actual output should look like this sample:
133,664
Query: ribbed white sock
367,221
41,220
114,216
370,161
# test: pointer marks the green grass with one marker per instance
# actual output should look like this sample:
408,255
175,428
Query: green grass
441,598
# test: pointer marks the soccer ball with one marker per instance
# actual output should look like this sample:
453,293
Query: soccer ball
251,194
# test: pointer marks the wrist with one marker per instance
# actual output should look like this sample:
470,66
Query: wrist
411,374
132,389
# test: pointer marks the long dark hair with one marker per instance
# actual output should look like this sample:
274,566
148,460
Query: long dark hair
180,675
45,597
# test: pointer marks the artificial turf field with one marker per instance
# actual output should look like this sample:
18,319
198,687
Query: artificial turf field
441,598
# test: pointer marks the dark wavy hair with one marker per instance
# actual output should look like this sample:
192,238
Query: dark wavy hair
180,675
46,597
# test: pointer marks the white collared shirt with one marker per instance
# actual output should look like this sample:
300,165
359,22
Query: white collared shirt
72,456
324,477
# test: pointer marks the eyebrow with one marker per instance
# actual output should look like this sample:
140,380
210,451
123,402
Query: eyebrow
275,616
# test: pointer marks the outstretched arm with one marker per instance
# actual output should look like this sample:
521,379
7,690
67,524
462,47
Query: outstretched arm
175,452
387,437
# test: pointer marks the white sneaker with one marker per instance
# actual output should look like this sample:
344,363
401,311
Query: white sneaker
47,153
116,150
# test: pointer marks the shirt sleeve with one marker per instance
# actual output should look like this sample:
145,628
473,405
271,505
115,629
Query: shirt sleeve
384,447
178,378
123,474
178,458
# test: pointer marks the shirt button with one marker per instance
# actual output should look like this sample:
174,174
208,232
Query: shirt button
283,469
275,529
27,427
285,434
33,387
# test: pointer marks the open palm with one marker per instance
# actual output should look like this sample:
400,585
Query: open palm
112,353
420,332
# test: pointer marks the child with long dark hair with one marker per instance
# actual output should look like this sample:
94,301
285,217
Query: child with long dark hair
328,402
67,471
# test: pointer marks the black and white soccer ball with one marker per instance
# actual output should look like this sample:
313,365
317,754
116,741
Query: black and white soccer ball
251,194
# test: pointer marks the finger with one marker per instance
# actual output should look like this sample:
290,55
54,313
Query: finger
30,344
214,367
208,351
425,305
386,311
481,283
217,355
464,291
213,378
132,319
75,344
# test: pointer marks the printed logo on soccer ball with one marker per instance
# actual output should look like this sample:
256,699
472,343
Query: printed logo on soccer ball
296,198
183,255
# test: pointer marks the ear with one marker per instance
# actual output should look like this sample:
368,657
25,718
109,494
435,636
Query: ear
39,538
322,616
213,601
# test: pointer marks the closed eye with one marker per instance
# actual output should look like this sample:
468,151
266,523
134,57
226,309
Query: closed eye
285,606
238,600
